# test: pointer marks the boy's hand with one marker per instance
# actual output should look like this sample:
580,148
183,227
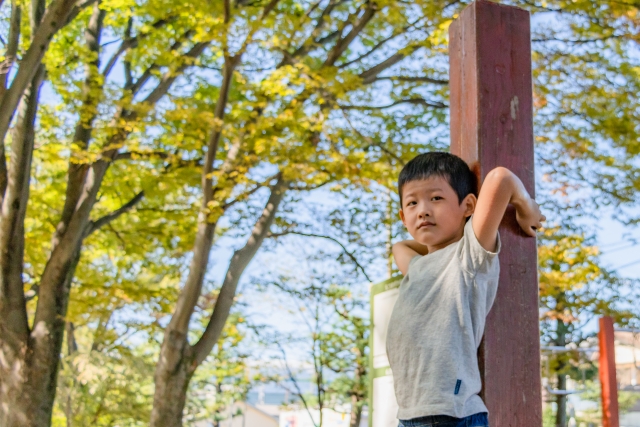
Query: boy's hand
501,187
529,216
403,253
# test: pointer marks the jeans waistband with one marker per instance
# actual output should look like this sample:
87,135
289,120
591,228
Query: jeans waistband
429,419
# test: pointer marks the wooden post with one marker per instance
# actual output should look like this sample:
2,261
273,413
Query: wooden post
608,381
492,125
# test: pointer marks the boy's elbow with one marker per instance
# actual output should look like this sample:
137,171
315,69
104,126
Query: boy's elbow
500,178
395,247
499,174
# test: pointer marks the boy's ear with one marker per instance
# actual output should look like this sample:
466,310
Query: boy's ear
402,217
469,204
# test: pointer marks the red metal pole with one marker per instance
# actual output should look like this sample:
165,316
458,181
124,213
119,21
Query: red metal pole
608,382
492,125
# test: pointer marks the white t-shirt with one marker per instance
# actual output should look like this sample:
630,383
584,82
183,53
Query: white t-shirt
436,327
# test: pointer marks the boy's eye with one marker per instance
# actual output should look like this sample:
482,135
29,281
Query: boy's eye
411,203
436,198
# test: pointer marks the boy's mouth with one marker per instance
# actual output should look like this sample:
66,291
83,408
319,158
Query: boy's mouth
425,224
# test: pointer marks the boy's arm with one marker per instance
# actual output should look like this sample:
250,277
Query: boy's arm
404,251
500,188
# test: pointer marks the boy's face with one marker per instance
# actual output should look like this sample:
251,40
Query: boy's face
432,214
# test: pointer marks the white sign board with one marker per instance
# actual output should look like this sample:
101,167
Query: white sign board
383,406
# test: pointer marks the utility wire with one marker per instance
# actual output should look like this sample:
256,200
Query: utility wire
628,265
608,251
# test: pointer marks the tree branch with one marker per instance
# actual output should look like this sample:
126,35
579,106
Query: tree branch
15,197
12,46
227,11
268,8
206,227
368,53
310,187
246,194
320,236
131,42
84,127
413,79
101,222
370,75
170,76
311,40
239,262
415,101
128,155
148,73
14,207
53,20
371,141
295,382
344,43
578,41
114,143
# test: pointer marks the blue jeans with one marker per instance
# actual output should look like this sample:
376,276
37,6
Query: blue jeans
476,420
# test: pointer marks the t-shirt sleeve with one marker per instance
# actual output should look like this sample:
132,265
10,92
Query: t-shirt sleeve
474,257
413,261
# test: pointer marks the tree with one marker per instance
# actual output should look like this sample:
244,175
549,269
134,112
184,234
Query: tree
106,376
24,367
324,56
335,342
574,290
347,349
585,73
33,325
294,120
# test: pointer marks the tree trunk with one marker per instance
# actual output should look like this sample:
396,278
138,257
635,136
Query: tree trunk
24,400
173,372
27,379
38,392
561,413
561,400
29,357
359,378
178,359
35,390
72,348
53,19
356,411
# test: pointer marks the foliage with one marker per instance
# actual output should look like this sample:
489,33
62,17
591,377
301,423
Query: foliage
109,387
548,417
586,70
334,344
108,378
626,399
224,378
575,288
574,291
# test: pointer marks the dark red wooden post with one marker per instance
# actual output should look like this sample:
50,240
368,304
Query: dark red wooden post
608,381
492,125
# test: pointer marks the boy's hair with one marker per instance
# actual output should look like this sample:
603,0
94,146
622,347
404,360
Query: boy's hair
446,165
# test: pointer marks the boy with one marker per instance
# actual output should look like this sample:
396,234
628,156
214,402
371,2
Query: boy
450,280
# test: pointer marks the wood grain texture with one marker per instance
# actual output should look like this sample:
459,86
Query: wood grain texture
608,381
492,125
